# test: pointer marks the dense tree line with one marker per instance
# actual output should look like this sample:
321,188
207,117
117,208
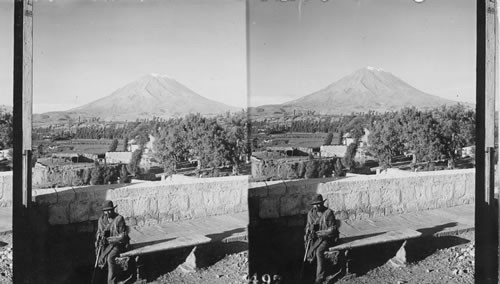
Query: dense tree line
95,130
430,135
333,123
6,132
212,142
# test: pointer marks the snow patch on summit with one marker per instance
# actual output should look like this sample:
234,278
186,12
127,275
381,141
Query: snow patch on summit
374,68
156,75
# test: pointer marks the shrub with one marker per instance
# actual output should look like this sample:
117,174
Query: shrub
87,175
125,142
325,168
97,176
113,146
134,162
301,169
311,169
350,152
124,176
110,175
339,171
328,139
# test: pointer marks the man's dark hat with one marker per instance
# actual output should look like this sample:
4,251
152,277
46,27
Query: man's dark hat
108,205
317,199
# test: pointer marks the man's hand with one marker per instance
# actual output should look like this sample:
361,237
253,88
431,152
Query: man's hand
104,242
325,233
307,236
98,241
113,240
311,235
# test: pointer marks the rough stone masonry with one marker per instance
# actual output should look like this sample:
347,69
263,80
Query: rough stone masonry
362,197
149,202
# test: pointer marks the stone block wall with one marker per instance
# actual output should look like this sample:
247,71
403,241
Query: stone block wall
147,202
362,197
6,189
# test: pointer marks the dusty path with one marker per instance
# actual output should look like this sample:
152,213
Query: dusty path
443,260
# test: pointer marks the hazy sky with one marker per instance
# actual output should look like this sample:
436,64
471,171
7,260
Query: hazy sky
86,49
298,47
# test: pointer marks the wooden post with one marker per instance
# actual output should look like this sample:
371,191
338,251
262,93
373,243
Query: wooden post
22,111
486,217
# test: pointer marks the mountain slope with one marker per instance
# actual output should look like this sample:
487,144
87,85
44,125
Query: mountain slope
152,95
365,89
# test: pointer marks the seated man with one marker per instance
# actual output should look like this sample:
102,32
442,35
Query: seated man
321,233
111,239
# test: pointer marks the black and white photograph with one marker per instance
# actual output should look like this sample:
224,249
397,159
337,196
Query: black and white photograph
249,141
363,117
139,160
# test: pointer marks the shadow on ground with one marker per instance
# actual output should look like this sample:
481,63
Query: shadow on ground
280,251
153,265
368,258
156,264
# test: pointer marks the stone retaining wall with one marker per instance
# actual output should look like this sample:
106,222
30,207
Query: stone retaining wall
6,189
361,197
147,202
352,197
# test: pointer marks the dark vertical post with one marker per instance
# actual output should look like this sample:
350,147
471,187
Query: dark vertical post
252,249
480,196
23,51
486,217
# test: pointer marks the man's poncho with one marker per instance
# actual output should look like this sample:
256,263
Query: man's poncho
117,230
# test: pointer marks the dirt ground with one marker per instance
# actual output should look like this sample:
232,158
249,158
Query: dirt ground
442,260
451,261
232,269
6,258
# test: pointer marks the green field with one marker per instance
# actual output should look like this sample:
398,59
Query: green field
292,139
89,146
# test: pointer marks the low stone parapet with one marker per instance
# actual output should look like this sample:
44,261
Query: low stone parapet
362,197
6,189
147,203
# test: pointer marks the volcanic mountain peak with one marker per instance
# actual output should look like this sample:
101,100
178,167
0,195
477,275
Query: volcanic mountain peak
372,80
152,95
366,89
